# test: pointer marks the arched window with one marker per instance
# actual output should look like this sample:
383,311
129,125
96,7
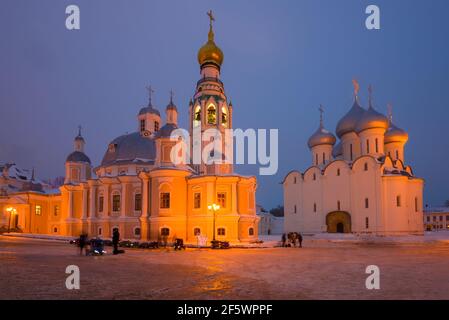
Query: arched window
294,209
366,222
55,229
324,158
221,231
377,145
367,146
224,117
165,232
116,202
366,203
196,231
211,114
398,201
365,167
294,180
142,125
156,126
314,176
314,207
197,116
137,231
251,231
100,203
338,172
350,151
164,200
416,205
338,205
100,231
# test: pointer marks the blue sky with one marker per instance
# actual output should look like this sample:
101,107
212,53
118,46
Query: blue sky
282,59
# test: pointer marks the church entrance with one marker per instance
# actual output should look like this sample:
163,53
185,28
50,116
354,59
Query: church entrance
338,222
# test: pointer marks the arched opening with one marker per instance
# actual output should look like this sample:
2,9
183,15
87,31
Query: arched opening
338,222
224,117
197,116
211,114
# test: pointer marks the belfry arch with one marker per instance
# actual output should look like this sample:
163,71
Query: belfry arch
338,222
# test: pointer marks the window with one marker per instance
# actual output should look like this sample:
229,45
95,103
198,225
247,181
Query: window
221,199
314,207
324,158
338,205
156,126
367,146
365,167
294,180
196,231
366,222
221,231
197,200
116,202
398,201
137,231
377,145
211,114
366,203
294,209
251,231
137,202
197,116
441,218
100,203
38,210
224,117
142,125
56,210
316,158
416,204
165,200
165,232
100,231
338,172
75,174
428,219
314,176
350,151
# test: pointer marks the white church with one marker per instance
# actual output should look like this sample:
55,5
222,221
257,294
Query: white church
360,184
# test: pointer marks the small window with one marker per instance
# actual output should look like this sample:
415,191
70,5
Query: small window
314,176
366,222
366,203
197,200
365,167
350,152
116,202
294,208
224,117
221,231
377,145
197,231
416,204
197,116
324,158
251,231
142,125
294,180
367,146
165,200
211,114
165,232
316,158
398,201
314,207
156,126
56,210
138,202
100,203
137,231
38,210
221,199
338,205
338,172
55,230
100,231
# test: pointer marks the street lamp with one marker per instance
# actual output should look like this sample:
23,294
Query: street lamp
12,211
214,207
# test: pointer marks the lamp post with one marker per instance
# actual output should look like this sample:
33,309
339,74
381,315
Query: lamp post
214,207
11,211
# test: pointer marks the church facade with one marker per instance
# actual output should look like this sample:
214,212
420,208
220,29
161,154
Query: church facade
139,190
359,185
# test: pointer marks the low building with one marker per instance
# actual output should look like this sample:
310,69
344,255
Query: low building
268,223
436,218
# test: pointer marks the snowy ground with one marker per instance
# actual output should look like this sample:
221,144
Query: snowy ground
326,268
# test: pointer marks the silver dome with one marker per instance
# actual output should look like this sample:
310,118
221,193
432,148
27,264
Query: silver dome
395,134
149,109
338,150
372,119
349,121
166,130
130,148
77,156
321,136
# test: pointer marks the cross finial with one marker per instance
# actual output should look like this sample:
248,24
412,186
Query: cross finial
79,130
211,17
356,87
321,109
172,94
150,94
390,112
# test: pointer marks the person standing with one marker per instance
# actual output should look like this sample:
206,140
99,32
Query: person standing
300,240
82,242
115,240
284,238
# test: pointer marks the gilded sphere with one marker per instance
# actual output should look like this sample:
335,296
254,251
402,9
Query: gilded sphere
210,53
395,134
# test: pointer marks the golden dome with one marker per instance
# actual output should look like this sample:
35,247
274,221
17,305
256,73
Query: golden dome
209,52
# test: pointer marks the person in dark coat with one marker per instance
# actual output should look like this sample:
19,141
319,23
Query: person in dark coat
300,240
115,240
82,242
284,239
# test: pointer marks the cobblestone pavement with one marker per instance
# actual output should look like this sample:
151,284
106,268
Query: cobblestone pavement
35,269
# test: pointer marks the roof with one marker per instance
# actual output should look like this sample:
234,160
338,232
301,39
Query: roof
166,130
149,109
77,156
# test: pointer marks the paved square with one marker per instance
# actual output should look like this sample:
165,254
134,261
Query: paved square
35,269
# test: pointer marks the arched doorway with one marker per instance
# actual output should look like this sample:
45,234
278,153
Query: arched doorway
338,222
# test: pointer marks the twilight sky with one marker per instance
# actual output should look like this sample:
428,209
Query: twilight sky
282,59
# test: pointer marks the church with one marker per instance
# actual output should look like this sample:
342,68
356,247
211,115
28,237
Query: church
138,189
360,184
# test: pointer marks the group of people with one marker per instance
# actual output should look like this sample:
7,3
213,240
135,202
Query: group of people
290,239
83,242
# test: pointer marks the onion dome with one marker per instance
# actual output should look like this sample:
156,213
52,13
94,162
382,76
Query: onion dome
171,105
395,134
210,52
371,118
337,150
77,156
321,136
349,121
149,108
